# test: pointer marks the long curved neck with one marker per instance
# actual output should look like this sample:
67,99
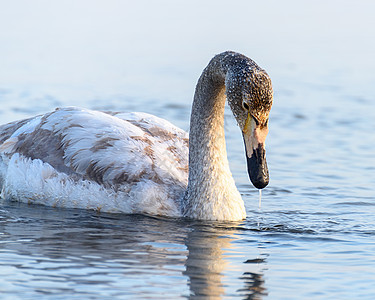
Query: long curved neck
207,150
211,189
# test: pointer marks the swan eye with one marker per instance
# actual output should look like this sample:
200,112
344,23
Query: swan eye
245,106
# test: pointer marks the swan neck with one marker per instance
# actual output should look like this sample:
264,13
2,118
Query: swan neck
211,188
207,138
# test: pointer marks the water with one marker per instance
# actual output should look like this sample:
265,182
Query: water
312,238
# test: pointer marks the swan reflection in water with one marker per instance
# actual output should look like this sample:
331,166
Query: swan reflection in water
136,256
209,259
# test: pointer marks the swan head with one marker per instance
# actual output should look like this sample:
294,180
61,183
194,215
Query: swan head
250,95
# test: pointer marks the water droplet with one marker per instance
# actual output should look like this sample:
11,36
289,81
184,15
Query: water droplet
260,198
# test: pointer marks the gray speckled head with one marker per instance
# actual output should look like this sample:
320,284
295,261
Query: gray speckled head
248,88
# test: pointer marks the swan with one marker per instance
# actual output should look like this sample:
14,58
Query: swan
141,164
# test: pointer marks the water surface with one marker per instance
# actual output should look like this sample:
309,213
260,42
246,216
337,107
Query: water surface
313,237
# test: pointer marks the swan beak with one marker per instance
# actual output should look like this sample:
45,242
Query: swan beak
254,137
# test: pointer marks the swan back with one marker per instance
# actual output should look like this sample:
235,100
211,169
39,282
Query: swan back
125,153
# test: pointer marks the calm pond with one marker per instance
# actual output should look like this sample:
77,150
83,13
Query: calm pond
313,237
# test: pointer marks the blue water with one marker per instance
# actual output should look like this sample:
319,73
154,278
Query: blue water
314,236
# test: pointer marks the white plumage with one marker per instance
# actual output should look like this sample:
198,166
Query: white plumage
128,162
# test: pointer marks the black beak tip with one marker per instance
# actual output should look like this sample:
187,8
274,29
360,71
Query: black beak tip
260,183
257,168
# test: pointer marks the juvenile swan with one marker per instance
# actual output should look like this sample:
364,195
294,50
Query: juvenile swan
138,163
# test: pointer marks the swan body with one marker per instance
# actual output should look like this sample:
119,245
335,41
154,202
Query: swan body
139,163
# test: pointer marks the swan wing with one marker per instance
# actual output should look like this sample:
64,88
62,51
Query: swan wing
108,148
